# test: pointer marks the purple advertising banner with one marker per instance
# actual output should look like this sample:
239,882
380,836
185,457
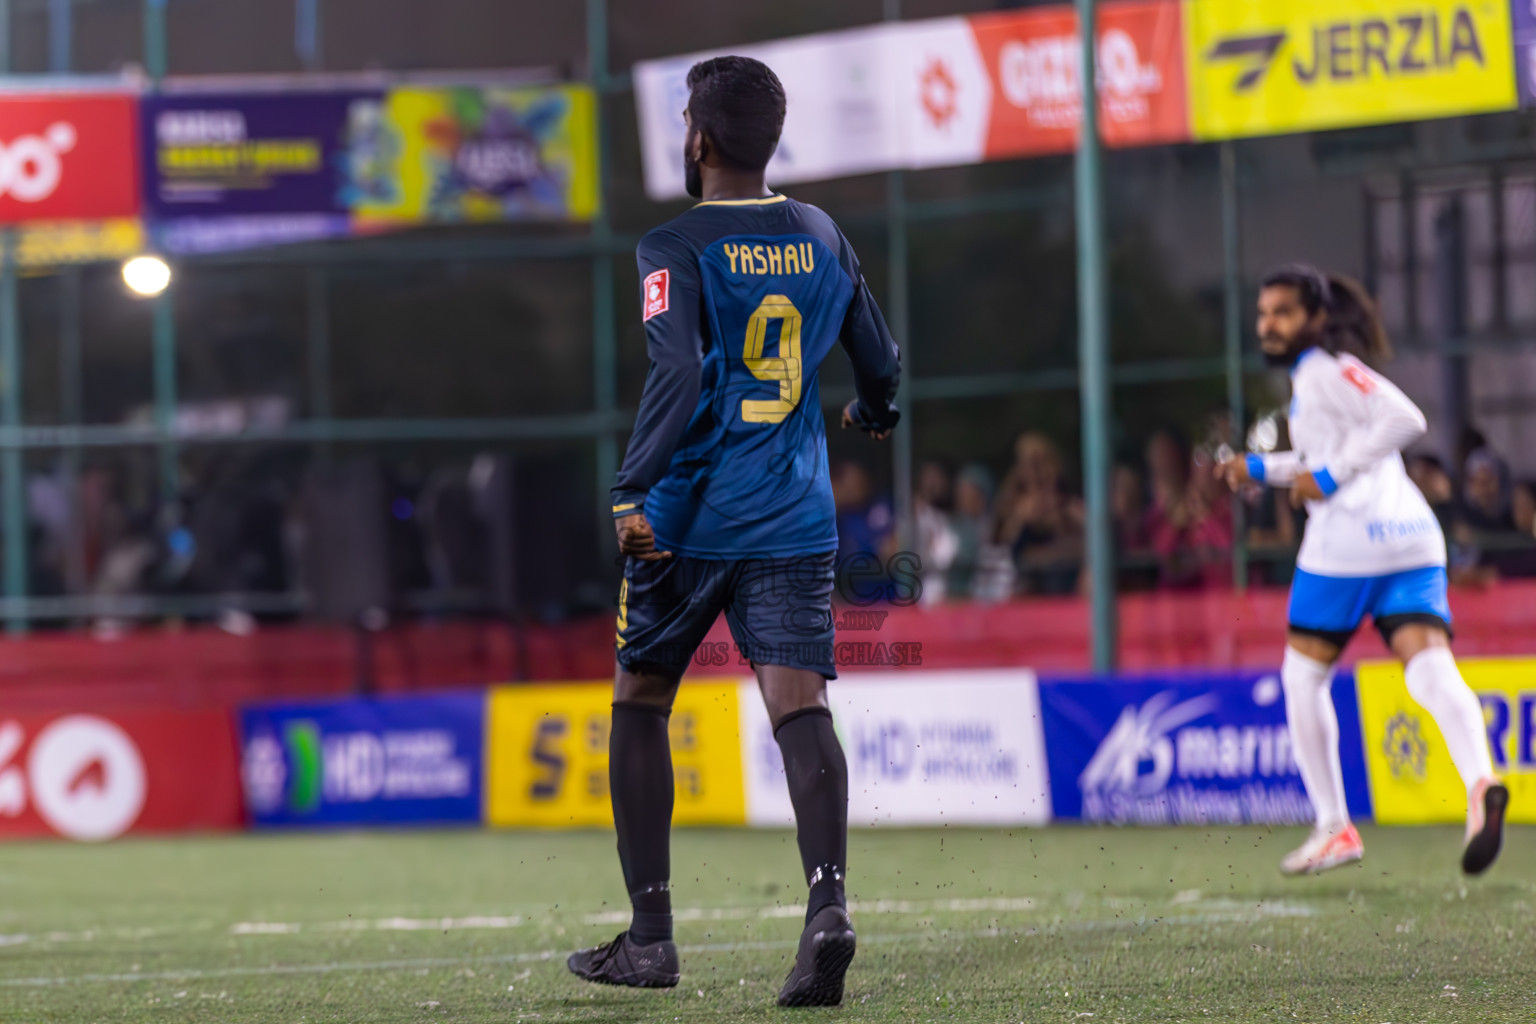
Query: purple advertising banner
1522,16
227,170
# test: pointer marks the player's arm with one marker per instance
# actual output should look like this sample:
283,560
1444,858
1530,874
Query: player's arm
1388,422
876,360
670,304
1277,469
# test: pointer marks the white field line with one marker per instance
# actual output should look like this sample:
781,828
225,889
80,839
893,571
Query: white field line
385,924
1249,915
1016,905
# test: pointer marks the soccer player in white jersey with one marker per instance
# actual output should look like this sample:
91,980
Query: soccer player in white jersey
1372,547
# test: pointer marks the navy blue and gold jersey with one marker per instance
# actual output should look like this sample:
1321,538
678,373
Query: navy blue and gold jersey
742,300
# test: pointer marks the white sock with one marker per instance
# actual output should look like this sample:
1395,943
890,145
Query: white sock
1435,682
1315,735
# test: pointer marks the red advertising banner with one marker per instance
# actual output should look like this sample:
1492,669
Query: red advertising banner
68,156
95,777
1033,59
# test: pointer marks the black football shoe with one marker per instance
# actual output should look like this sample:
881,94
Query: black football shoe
826,950
1485,825
625,962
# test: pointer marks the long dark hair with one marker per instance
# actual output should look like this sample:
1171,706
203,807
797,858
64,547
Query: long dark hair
1354,324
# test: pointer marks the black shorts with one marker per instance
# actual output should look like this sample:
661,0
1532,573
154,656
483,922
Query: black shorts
779,611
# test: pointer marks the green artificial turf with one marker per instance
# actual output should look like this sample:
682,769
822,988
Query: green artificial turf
1064,924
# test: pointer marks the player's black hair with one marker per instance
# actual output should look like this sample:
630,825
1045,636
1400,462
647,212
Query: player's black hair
739,103
1311,284
1353,325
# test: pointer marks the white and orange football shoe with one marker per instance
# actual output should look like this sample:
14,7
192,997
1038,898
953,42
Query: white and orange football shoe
1324,849
1486,806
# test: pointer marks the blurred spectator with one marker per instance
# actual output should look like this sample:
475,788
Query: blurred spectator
1128,497
937,543
866,529
1485,498
1190,522
1514,555
1039,522
981,569
1522,507
1429,475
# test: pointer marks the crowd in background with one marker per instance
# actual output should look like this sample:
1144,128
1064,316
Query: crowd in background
985,537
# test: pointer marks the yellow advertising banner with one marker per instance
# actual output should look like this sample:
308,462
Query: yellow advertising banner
547,755
1412,778
1267,67
61,243
455,155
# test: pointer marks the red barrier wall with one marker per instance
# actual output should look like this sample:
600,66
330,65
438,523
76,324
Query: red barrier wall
196,668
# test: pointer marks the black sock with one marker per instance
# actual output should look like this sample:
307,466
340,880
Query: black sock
818,787
640,780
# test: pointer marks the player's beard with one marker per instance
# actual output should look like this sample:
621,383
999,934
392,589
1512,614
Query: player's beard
1299,344
693,181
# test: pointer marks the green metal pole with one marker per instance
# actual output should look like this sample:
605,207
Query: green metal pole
605,346
154,40
1232,288
12,481
5,37
165,395
898,318
1093,354
71,408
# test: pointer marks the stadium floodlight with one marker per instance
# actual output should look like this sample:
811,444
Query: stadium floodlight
147,275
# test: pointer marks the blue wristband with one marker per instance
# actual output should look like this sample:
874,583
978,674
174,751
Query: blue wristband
1325,482
1256,468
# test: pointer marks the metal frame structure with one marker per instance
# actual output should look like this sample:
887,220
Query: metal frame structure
603,424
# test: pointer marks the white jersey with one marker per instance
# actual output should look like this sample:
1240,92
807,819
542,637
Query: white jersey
1348,429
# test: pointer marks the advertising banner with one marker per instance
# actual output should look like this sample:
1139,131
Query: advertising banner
478,153
1267,67
548,758
930,748
384,761
222,170
1412,778
1186,750
68,156
55,243
840,120
95,777
1522,15
940,92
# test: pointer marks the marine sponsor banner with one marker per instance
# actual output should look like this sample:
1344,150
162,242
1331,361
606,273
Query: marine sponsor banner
1267,67
68,156
94,777
941,91
381,761
477,153
1413,780
548,756
930,748
1186,750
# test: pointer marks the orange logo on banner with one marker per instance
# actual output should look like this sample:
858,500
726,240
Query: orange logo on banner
1033,59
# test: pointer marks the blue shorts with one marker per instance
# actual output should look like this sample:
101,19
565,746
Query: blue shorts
779,611
1332,607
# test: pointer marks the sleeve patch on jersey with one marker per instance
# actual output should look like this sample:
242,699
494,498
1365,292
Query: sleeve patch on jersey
1361,379
658,288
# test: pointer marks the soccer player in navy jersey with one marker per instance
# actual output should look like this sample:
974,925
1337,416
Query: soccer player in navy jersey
724,504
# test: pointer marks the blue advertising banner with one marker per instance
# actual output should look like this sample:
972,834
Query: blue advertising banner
1186,749
1523,25
396,760
231,170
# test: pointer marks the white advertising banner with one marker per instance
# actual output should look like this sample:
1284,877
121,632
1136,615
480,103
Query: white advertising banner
840,120
930,748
